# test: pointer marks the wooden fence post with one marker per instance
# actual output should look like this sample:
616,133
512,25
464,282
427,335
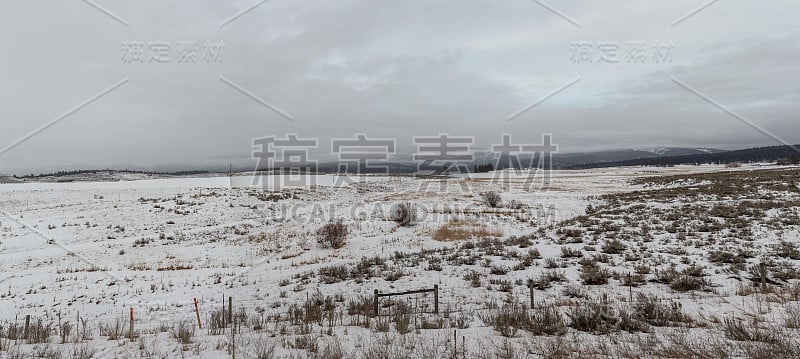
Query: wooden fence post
630,287
197,311
230,309
375,304
27,325
533,295
436,298
131,328
455,344
233,334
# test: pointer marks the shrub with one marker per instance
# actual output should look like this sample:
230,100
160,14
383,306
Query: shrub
653,311
360,306
532,254
113,331
404,214
521,241
792,317
499,270
691,278
514,204
82,351
491,198
740,330
333,234
787,250
183,333
574,291
38,332
594,317
64,331
474,278
333,274
614,247
402,319
720,257
567,252
551,263
543,281
592,274
545,320
631,323
685,283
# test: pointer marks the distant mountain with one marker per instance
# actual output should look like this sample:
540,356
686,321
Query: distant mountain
402,163
679,151
567,160
7,179
95,175
484,160
662,156
786,154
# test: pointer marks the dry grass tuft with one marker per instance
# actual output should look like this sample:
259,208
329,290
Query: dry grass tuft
459,230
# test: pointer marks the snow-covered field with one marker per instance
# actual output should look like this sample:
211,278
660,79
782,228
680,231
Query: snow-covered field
700,261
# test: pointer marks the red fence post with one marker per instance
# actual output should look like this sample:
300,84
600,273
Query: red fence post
197,311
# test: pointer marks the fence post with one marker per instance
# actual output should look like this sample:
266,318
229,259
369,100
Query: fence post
131,328
230,309
436,298
233,336
630,287
223,311
27,325
533,294
455,344
375,304
197,311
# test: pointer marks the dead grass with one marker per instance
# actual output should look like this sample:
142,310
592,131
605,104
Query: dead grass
459,230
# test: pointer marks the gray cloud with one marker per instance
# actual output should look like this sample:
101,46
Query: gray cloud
388,69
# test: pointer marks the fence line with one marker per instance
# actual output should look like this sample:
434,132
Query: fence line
133,320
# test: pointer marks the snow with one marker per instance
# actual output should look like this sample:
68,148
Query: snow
96,249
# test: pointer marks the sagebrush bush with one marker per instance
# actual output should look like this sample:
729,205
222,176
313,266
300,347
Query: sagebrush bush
333,234
474,278
567,252
334,274
594,317
404,214
183,332
792,317
742,330
491,198
685,283
656,312
614,247
512,317
592,274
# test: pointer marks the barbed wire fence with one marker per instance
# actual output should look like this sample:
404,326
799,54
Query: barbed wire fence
218,316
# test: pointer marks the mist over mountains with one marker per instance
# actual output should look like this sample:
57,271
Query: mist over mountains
484,161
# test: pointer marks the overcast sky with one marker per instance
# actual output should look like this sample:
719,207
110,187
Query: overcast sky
387,69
